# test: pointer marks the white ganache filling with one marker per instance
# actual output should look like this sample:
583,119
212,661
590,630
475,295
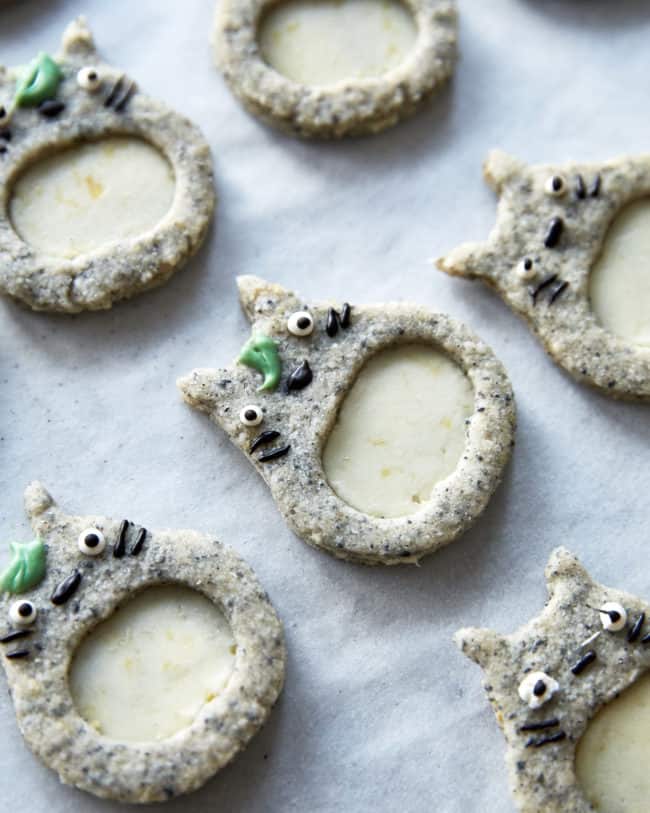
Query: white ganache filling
319,42
620,279
146,672
400,430
612,755
89,196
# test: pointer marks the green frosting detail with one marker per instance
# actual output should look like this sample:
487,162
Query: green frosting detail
26,569
261,353
40,82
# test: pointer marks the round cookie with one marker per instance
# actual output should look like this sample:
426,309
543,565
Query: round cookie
307,359
75,575
346,107
548,680
75,100
552,224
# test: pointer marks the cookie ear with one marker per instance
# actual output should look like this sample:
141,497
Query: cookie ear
77,39
563,571
499,168
200,388
480,645
261,298
469,260
39,506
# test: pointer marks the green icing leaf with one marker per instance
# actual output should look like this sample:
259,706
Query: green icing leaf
26,569
261,353
39,82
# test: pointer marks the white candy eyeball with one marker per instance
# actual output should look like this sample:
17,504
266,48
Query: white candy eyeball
556,185
613,616
301,323
537,688
251,415
526,269
22,613
5,116
91,542
89,79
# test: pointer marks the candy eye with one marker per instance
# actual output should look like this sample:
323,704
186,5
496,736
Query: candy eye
301,323
251,415
555,185
91,542
89,79
22,613
537,688
613,616
526,269
5,116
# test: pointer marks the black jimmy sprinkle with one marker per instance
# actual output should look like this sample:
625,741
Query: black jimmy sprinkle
14,636
139,542
274,454
119,549
535,292
264,437
533,743
541,725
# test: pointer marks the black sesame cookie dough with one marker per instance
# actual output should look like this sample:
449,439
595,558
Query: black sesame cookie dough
551,225
546,681
75,98
344,108
73,576
309,356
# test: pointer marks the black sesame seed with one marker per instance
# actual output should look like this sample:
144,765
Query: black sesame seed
346,314
66,589
581,190
595,187
6,135
332,324
300,378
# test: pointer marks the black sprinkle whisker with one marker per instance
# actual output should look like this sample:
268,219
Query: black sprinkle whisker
119,549
586,660
581,189
553,738
541,725
635,629
16,635
274,454
17,653
115,92
66,589
557,292
264,437
555,229
139,542
537,290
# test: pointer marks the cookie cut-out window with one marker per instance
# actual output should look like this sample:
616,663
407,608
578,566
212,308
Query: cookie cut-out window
400,430
319,42
91,195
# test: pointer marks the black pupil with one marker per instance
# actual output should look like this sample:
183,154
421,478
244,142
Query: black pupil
614,616
557,183
3,112
25,610
539,689
92,540
304,322
250,414
528,264
92,76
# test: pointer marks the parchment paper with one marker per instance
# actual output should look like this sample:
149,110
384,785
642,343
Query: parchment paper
380,711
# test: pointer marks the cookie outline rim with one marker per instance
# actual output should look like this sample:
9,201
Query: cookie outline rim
351,107
336,527
622,370
127,267
224,726
624,663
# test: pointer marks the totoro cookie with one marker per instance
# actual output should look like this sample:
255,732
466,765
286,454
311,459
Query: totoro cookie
586,297
105,192
335,67
126,682
382,430
548,683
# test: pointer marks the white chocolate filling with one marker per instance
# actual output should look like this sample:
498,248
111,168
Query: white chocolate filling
91,195
319,42
620,279
146,672
612,755
400,430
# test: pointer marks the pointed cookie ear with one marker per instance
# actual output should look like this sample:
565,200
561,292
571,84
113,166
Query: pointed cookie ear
481,645
260,298
39,506
77,39
499,168
464,261
563,571
200,388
